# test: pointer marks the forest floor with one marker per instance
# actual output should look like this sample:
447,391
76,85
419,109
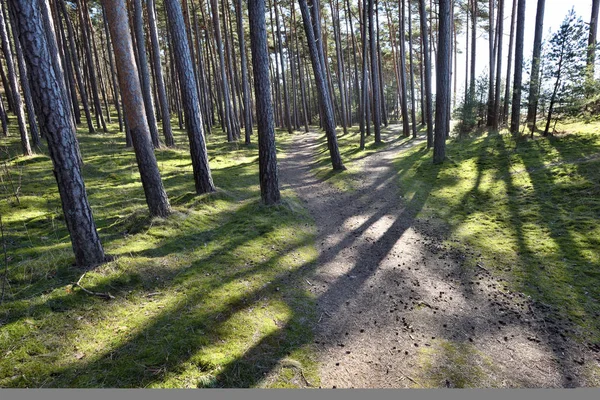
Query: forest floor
405,301
482,271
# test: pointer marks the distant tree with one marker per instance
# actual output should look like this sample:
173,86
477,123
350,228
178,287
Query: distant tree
567,58
56,127
267,156
427,70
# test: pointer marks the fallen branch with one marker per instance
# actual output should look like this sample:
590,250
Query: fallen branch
106,295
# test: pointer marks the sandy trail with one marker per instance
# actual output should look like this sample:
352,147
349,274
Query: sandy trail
398,309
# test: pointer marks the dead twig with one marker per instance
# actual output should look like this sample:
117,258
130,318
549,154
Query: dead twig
106,295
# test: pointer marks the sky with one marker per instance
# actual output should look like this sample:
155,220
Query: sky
555,12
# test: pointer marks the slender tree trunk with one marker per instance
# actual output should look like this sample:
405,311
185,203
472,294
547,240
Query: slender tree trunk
404,102
443,86
54,117
591,58
113,77
516,100
14,87
267,156
162,94
156,197
534,86
473,49
428,95
138,28
510,58
244,67
228,115
384,119
189,93
322,89
500,30
374,73
82,12
286,102
33,125
77,66
491,107
412,74
335,13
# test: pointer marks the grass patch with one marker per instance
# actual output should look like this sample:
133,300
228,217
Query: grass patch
530,209
211,296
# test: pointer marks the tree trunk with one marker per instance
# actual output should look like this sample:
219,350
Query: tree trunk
33,125
52,112
374,73
160,83
534,86
428,95
244,67
322,89
510,58
228,115
591,58
77,66
500,30
516,100
14,87
82,11
267,156
412,75
491,107
443,86
473,49
156,197
189,94
404,101
138,29
111,66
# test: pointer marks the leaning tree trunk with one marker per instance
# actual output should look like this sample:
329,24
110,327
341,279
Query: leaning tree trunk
517,89
189,95
156,197
443,86
14,87
322,89
267,156
54,117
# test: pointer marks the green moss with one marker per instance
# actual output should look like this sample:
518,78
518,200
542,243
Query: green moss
210,296
457,365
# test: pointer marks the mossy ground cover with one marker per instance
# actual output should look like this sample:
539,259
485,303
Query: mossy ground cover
529,210
211,296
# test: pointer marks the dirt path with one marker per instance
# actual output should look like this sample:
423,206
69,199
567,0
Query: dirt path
397,309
